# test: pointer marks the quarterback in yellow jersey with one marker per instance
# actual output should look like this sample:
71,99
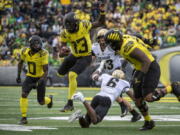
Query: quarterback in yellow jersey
147,72
77,33
37,62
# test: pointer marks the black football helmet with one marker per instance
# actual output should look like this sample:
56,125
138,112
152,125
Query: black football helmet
71,23
113,38
35,43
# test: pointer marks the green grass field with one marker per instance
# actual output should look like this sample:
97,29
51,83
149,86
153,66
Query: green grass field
166,114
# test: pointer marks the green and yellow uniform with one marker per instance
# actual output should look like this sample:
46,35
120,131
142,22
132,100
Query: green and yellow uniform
80,57
80,42
35,62
129,44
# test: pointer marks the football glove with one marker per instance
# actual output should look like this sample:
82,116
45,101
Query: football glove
79,96
95,76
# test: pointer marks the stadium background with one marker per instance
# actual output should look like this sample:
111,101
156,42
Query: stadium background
156,20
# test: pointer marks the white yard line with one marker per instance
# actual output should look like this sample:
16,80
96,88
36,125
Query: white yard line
118,118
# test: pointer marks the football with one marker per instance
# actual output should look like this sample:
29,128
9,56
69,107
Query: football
64,51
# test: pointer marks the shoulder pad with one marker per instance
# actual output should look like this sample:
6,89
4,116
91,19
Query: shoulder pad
43,52
63,34
24,50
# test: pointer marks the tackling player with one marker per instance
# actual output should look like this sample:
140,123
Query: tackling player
147,74
77,33
111,88
110,62
37,61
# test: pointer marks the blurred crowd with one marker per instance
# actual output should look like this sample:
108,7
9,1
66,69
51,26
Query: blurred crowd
156,20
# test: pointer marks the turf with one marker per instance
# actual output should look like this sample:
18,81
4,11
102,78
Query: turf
10,114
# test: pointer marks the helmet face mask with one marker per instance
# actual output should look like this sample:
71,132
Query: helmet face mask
114,45
35,43
101,37
71,24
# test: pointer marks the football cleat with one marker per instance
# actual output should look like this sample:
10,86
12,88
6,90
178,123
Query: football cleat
51,103
124,109
79,96
23,121
176,89
136,118
148,125
67,108
77,114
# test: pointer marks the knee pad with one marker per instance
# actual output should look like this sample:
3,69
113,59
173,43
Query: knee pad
143,107
72,75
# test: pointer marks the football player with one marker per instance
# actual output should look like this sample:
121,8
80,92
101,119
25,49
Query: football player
147,74
77,34
111,88
110,62
37,60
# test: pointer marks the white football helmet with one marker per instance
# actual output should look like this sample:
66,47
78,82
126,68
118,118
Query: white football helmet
118,74
101,33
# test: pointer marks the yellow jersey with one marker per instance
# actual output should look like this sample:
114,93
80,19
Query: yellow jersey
35,62
80,42
129,44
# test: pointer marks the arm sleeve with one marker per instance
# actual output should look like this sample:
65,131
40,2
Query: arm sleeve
126,86
101,67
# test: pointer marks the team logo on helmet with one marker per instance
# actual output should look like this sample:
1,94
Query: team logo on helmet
114,35
114,39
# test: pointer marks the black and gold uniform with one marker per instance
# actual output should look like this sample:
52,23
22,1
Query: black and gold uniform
36,59
35,69
151,78
80,57
147,72
77,34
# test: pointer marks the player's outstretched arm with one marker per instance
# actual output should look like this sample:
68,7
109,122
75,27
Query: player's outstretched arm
91,112
130,94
